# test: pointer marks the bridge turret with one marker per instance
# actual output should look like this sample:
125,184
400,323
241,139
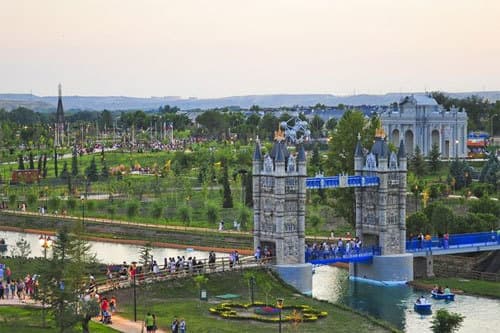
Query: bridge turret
402,159
358,156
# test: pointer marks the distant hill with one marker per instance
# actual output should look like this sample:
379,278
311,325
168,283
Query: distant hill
48,103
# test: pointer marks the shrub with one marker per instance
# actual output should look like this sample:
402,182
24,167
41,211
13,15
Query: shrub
185,214
212,213
132,208
157,209
71,203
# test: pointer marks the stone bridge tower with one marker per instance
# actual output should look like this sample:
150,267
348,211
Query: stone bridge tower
279,193
381,212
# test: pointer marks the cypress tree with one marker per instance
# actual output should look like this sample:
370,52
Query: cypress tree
32,164
74,163
21,163
44,166
40,159
64,172
92,171
56,172
228,199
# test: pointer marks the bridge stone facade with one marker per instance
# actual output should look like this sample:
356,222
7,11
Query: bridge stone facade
381,211
279,195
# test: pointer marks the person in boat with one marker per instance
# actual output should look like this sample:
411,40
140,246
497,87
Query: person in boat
422,300
447,291
435,289
440,290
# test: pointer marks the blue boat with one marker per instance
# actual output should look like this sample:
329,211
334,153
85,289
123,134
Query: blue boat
448,297
422,308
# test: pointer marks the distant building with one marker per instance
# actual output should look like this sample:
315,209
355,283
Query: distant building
421,121
60,129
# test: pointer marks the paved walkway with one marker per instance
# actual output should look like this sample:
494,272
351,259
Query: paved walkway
128,326
119,323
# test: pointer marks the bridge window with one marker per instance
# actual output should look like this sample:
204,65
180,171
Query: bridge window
291,185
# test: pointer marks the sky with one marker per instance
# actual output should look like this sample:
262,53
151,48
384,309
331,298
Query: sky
222,48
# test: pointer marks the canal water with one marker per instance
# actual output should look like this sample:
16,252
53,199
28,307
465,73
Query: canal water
395,303
392,304
108,253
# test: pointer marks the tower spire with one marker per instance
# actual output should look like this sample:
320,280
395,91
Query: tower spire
59,89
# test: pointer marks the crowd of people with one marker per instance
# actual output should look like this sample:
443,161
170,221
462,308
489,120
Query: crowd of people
20,288
333,249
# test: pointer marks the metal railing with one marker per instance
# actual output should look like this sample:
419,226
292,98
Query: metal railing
454,241
322,257
220,265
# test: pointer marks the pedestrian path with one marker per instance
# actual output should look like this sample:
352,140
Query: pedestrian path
127,326
119,323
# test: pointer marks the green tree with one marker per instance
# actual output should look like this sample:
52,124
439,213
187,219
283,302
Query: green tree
227,197
434,158
157,209
65,172
341,156
74,163
44,170
91,172
212,212
417,163
460,174
63,280
185,214
20,165
32,163
490,170
317,126
244,215
132,208
315,161
105,170
446,322
330,124
416,223
56,172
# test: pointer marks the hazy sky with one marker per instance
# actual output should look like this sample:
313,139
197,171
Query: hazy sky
229,47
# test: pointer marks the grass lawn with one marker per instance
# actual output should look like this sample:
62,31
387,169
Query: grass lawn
180,298
28,320
476,287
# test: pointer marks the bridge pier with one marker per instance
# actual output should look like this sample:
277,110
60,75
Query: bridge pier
424,266
388,269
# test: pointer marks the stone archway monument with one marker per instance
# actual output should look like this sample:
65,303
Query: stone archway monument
279,191
279,194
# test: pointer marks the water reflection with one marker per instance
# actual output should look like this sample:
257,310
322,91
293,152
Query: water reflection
392,304
395,304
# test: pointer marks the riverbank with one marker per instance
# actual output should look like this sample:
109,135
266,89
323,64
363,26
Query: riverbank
461,286
131,241
183,302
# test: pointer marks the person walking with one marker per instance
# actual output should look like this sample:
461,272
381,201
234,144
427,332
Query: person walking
182,326
149,322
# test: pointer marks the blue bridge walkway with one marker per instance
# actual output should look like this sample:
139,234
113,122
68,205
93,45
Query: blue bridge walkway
456,243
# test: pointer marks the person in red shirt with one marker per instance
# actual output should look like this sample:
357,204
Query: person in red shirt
104,308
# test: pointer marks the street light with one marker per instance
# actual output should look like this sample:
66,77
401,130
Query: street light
45,243
279,305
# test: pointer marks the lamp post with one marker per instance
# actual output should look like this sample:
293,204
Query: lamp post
82,198
279,305
491,127
45,243
135,301
252,284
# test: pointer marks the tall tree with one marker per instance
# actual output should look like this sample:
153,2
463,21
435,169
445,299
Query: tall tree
74,163
341,155
55,162
32,163
434,156
417,163
20,165
44,170
227,197
63,281
92,173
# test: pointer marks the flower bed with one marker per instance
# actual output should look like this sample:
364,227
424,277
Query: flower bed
302,313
